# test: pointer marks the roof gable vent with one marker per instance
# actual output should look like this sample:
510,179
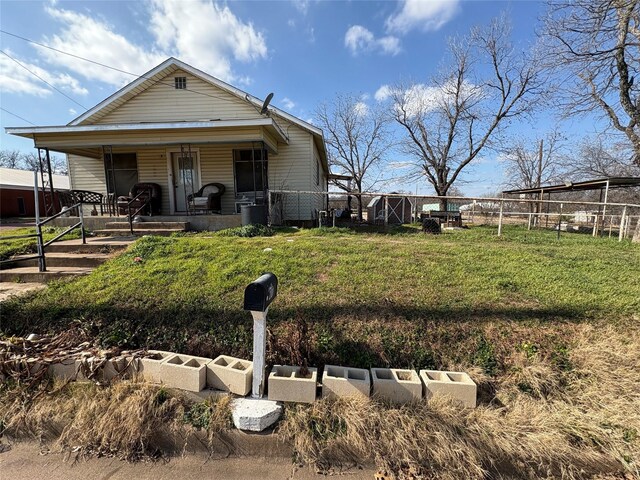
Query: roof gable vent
181,83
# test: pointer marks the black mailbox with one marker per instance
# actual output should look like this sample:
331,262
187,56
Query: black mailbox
259,294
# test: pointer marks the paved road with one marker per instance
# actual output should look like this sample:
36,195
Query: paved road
24,461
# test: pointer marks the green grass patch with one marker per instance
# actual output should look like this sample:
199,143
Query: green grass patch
21,246
400,298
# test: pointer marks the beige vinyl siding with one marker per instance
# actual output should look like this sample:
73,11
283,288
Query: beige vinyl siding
291,170
162,102
143,138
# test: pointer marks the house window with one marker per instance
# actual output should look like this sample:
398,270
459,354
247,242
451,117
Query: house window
181,83
22,210
250,171
123,172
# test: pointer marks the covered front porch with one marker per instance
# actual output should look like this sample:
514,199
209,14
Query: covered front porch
180,161
103,224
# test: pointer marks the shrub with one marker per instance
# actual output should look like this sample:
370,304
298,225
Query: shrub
247,231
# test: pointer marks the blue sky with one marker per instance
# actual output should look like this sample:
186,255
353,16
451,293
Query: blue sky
303,51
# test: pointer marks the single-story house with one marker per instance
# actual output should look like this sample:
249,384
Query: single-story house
182,129
16,192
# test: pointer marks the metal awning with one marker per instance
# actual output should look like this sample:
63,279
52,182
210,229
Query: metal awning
88,140
611,182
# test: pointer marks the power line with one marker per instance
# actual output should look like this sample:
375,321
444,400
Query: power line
17,116
42,79
106,66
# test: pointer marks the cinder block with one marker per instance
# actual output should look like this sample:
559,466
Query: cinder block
345,382
230,374
66,369
395,385
287,385
184,372
150,366
105,371
457,385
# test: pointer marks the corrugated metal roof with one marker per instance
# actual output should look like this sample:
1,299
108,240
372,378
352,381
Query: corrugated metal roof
14,178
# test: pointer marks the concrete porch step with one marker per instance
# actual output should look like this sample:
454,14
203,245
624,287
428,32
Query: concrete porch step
93,245
61,259
181,226
165,232
32,275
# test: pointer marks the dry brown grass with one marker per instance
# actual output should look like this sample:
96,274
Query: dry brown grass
129,420
544,422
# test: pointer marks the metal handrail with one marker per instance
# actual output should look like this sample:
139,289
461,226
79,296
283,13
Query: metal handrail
41,245
142,207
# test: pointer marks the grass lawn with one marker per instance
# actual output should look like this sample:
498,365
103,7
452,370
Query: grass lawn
20,246
403,299
548,330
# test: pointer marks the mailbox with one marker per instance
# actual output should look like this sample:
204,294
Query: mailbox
259,294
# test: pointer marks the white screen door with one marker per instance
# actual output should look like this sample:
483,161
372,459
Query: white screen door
185,178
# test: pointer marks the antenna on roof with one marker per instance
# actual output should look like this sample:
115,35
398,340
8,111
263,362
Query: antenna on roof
266,104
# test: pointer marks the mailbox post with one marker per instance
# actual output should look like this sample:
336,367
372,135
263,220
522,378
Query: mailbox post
257,297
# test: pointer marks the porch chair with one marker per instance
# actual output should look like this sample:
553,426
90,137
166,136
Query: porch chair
207,199
151,193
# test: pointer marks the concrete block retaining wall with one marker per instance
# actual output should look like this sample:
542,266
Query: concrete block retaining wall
285,384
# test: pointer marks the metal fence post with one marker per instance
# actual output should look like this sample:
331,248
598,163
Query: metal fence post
386,211
622,221
500,218
42,264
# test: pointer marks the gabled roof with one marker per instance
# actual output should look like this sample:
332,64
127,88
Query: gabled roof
167,67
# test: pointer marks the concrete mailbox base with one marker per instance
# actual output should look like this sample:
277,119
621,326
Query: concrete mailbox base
287,385
457,385
150,366
396,386
345,382
184,372
255,415
230,374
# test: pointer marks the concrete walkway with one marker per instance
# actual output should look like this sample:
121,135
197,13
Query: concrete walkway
24,461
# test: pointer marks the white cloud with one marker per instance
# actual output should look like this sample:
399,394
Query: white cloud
291,22
205,35
16,79
420,98
200,32
90,38
301,5
359,38
361,109
288,103
383,93
425,15
73,111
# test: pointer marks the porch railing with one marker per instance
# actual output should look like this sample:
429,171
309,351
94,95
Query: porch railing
146,203
41,244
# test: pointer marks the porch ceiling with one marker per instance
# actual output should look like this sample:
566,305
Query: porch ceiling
88,140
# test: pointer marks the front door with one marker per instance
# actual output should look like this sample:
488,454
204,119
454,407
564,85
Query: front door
185,179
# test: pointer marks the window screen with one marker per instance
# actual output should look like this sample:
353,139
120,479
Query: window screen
124,172
250,171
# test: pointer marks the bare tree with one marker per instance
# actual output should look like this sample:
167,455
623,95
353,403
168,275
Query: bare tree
451,121
530,164
598,157
358,140
10,158
595,45
30,161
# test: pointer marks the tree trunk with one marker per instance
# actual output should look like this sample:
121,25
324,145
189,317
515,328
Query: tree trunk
359,197
636,233
443,204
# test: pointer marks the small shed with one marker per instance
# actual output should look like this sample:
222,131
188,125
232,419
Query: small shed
400,210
